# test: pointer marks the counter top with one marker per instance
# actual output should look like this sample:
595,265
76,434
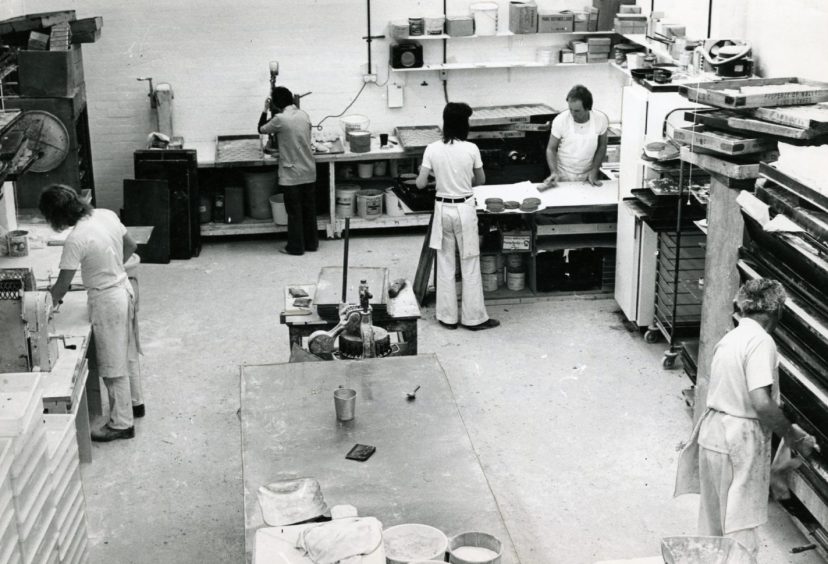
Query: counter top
569,195
206,154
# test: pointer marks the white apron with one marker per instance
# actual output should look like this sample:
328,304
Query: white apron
576,151
115,327
468,219
747,499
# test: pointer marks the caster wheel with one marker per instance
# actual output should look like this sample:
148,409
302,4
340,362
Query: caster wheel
651,336
669,361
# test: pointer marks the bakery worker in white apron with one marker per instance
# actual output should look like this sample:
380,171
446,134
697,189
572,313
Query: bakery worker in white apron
99,245
578,142
728,457
457,166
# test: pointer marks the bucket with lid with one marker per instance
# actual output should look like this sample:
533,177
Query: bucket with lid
346,195
489,282
258,188
277,206
485,18
369,204
514,261
488,264
393,207
515,279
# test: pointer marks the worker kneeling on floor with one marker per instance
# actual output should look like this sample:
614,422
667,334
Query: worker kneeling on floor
99,245
728,457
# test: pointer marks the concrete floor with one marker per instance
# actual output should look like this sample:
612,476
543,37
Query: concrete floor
573,419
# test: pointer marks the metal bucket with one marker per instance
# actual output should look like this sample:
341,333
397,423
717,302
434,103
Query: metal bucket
369,204
489,282
18,243
514,261
488,264
516,280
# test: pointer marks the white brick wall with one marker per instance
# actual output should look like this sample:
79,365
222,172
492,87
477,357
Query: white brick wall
215,55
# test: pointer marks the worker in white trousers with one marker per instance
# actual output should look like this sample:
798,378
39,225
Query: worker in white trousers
728,457
457,167
99,245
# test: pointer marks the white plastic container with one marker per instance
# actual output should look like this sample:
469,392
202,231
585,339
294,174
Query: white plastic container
277,206
434,24
485,18
515,280
369,204
365,170
392,204
346,200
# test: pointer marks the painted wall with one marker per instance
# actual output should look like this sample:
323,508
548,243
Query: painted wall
10,8
215,55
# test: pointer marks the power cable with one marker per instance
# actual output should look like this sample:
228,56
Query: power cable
318,126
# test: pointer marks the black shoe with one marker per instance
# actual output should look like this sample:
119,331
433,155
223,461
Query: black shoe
447,325
285,251
107,433
138,410
488,324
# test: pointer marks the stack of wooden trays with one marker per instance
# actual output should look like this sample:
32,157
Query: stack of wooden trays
70,502
9,541
21,422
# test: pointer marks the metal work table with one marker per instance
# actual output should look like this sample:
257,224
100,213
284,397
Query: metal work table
206,155
424,470
403,313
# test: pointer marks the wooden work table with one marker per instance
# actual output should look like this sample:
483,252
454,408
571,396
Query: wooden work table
424,470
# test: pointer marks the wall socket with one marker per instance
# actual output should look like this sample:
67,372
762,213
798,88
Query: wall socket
372,78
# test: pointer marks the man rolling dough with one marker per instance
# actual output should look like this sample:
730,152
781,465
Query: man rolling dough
578,141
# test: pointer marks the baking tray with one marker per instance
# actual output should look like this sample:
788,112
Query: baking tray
729,119
811,116
239,149
721,142
501,115
728,93
417,136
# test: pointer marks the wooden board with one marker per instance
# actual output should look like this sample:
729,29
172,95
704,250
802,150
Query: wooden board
717,165
811,116
720,141
756,92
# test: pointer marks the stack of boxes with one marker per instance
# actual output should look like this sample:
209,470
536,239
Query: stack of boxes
525,20
630,20
21,424
42,514
581,51
70,519
555,22
606,12
598,49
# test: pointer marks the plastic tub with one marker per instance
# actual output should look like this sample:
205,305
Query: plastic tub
365,170
475,548
516,280
434,24
398,29
413,542
277,206
359,141
369,204
346,195
392,204
355,122
485,18
258,188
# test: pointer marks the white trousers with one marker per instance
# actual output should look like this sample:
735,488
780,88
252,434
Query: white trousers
112,314
716,473
473,309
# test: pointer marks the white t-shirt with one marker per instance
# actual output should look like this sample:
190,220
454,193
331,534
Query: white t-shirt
578,142
453,165
96,246
743,360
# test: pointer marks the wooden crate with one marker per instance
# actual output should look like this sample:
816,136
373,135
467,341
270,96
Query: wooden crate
721,142
727,93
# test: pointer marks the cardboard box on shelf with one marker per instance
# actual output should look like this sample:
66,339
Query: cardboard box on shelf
523,17
567,56
599,45
581,22
579,47
607,10
581,59
597,57
629,9
555,22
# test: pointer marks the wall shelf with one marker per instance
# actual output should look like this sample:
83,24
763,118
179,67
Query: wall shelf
493,65
498,34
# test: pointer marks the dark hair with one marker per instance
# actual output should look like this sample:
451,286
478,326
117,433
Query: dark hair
580,92
762,295
62,207
456,121
281,97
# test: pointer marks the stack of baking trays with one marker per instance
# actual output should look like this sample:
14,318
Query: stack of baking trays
797,258
659,201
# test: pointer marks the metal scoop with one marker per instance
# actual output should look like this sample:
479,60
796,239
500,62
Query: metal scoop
411,396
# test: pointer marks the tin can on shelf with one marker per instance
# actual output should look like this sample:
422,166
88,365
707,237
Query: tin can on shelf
416,26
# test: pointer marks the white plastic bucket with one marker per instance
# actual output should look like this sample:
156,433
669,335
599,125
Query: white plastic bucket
485,18
434,25
346,195
365,170
515,280
488,264
277,206
369,204
392,204
489,282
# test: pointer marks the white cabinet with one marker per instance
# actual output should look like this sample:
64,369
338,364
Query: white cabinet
635,266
